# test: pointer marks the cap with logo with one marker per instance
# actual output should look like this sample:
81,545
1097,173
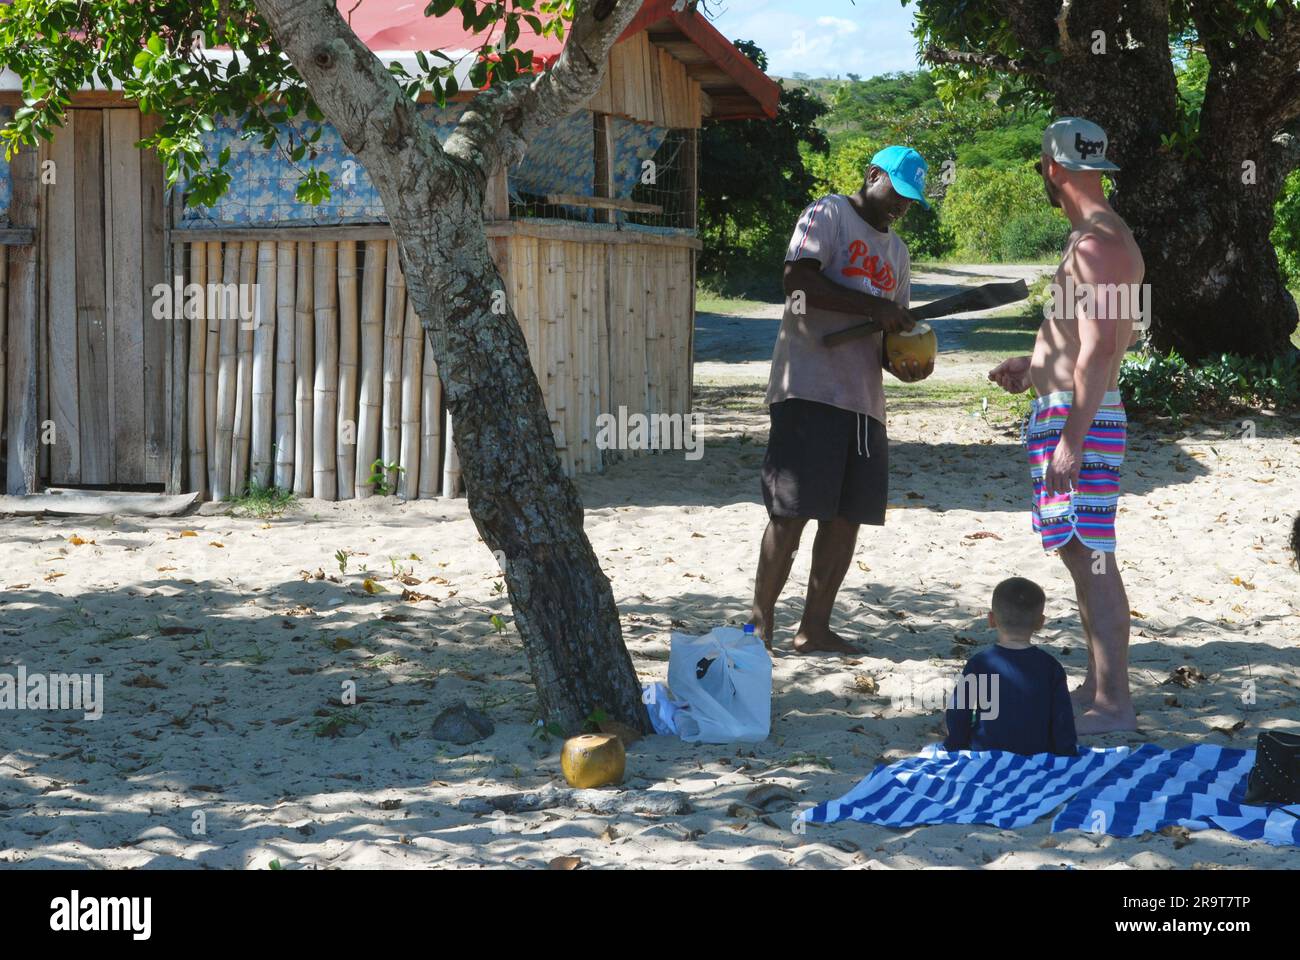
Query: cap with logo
1077,144
906,169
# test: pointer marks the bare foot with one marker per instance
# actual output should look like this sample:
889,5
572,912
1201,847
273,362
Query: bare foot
1096,720
1081,697
823,641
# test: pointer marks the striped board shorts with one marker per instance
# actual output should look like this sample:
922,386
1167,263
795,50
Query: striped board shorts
1088,511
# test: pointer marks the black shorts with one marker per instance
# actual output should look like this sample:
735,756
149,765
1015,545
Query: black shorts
824,462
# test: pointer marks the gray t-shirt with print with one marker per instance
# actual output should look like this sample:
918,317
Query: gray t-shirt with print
856,255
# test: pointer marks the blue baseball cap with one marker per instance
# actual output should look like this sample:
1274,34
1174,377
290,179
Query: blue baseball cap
906,169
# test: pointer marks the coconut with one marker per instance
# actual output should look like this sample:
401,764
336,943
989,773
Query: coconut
593,760
919,344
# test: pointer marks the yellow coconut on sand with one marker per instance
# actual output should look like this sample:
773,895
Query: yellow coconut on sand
593,760
919,344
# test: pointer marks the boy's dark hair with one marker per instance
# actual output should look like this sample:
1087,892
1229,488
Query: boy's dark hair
1017,604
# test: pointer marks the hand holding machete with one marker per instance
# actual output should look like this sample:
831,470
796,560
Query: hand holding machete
983,297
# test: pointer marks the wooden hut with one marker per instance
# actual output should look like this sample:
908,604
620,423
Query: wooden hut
284,351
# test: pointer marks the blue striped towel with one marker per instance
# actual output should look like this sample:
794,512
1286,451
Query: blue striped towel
994,786
1116,790
1199,788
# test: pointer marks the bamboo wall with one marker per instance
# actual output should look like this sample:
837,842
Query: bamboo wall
646,82
334,371
607,325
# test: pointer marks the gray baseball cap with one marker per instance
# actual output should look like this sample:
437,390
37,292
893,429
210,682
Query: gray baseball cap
1077,144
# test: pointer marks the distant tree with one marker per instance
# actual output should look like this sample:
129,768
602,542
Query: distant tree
753,178
1201,100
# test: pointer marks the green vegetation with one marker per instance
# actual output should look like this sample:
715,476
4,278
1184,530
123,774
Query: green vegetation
822,142
745,221
710,301
1285,234
379,474
1167,385
262,503
989,203
971,145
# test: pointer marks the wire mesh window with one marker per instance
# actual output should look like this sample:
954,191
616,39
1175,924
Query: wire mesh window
647,172
665,181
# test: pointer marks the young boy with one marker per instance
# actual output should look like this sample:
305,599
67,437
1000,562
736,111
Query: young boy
1013,697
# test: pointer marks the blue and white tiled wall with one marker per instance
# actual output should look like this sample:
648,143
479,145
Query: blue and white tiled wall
561,160
6,187
263,181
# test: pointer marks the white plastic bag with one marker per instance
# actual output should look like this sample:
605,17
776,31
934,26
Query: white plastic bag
725,678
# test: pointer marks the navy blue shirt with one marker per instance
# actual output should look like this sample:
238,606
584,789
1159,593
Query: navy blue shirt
1013,700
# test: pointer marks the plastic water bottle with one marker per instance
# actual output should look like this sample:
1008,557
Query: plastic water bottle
749,629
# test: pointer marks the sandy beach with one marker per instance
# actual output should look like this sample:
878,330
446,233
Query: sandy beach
225,644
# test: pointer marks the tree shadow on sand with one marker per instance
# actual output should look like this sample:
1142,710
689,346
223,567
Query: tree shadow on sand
231,711
983,477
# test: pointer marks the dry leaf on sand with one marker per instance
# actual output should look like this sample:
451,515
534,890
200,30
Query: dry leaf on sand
864,683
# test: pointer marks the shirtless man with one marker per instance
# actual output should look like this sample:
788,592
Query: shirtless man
1077,427
828,453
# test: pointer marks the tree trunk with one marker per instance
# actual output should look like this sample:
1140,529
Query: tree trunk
524,507
1215,281
1202,227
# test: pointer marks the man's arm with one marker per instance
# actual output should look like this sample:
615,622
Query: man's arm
1097,348
804,278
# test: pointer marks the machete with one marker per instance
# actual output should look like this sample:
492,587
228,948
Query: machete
983,297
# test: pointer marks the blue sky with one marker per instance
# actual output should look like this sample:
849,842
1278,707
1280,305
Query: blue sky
822,38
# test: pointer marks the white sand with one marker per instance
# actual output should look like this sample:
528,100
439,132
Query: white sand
229,730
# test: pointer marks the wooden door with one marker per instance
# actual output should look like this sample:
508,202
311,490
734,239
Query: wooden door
107,356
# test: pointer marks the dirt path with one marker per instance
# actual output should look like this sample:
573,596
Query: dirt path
736,348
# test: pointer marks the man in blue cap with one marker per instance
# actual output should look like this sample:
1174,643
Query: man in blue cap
827,456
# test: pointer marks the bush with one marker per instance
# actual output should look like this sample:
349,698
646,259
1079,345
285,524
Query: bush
1285,235
1157,384
982,203
1034,236
1169,386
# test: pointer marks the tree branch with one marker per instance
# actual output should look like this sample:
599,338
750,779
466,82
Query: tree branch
501,122
1254,88
360,97
989,61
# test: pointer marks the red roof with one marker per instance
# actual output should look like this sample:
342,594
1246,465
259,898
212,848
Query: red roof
402,25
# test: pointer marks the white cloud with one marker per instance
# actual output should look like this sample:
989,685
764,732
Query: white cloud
823,38
840,24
